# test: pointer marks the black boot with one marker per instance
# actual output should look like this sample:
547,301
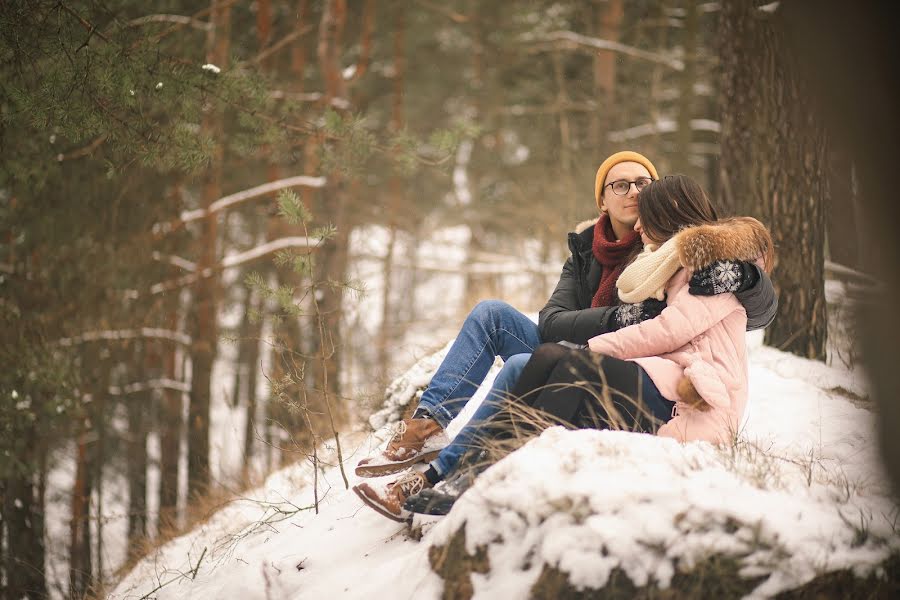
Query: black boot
441,498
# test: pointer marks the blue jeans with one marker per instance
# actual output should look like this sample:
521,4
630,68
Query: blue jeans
492,329
495,400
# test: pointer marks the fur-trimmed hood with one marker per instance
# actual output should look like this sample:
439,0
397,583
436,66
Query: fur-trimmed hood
584,225
739,238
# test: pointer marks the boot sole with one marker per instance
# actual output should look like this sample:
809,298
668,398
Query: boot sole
377,508
391,468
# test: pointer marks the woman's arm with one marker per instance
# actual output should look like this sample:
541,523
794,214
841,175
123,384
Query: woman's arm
685,318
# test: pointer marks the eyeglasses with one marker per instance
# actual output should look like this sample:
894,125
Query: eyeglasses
621,187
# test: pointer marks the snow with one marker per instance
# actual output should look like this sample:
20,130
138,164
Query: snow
801,493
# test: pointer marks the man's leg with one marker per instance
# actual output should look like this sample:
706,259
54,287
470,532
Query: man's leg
492,329
390,499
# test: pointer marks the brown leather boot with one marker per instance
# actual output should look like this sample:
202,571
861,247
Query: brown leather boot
416,440
388,499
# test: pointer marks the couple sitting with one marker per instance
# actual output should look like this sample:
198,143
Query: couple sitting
649,318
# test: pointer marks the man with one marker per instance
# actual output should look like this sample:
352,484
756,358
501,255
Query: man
583,305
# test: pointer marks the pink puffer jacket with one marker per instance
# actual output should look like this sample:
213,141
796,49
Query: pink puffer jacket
697,337
696,346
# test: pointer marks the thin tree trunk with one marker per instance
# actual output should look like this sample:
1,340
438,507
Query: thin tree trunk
22,511
686,79
395,191
79,527
99,460
205,339
170,424
333,255
137,459
252,363
608,19
298,48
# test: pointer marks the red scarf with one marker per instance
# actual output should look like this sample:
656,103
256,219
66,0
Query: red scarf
612,254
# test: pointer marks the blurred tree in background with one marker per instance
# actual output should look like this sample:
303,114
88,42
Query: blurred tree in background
143,151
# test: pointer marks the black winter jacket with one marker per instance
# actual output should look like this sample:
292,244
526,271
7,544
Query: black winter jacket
568,314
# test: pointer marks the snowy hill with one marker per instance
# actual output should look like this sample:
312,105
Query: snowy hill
800,498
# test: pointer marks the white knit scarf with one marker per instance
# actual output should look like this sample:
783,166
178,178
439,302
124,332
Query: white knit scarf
647,276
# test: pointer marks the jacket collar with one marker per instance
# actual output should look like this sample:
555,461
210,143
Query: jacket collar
582,238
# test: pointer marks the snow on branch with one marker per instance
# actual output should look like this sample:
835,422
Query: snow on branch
233,261
337,102
844,271
572,39
127,334
238,197
661,126
176,261
153,384
268,248
164,18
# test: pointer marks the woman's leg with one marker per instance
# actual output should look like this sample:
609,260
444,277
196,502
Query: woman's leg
474,431
537,371
603,392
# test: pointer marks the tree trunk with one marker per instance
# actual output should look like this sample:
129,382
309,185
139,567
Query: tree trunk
855,87
22,512
608,20
137,459
205,339
395,191
332,263
774,167
254,333
169,427
686,79
79,529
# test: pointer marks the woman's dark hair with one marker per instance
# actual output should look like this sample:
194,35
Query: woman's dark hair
672,203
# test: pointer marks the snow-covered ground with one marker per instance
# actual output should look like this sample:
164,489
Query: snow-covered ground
801,494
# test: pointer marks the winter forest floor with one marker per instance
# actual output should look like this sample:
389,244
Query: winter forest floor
798,507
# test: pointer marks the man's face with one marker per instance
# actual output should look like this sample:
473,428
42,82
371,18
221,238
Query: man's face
623,209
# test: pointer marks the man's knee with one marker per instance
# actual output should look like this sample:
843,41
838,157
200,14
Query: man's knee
490,311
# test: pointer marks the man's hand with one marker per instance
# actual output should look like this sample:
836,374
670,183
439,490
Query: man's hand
720,277
631,314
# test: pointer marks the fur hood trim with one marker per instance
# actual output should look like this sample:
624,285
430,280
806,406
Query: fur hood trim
585,225
740,238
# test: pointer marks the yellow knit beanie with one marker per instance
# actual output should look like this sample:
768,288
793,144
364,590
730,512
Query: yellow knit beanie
620,157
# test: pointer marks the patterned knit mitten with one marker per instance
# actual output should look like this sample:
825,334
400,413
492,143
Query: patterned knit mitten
718,278
631,314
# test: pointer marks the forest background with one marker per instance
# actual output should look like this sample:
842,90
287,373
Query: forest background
193,196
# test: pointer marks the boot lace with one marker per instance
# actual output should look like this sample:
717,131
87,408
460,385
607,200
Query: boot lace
410,484
399,431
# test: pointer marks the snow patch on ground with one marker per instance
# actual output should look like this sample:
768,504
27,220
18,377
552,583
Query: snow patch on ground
802,493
